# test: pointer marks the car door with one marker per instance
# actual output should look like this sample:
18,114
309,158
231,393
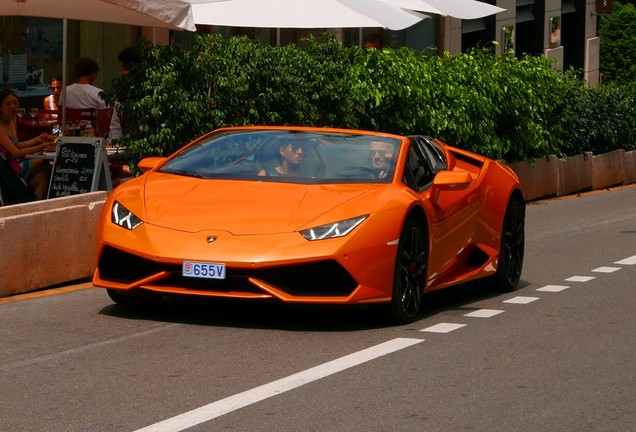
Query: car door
452,212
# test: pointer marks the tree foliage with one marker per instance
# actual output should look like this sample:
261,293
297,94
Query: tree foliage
617,33
498,106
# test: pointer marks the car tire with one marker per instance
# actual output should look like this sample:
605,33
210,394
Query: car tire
132,298
410,273
511,252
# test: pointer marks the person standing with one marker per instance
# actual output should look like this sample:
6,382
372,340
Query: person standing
128,58
83,94
120,169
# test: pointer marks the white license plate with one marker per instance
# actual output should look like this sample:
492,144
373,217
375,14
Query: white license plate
206,270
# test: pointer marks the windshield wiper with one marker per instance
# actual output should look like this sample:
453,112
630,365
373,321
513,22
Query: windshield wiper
184,173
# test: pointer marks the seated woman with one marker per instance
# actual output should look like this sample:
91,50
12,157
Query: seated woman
36,172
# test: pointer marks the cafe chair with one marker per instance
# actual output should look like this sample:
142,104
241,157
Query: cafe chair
13,188
81,117
78,119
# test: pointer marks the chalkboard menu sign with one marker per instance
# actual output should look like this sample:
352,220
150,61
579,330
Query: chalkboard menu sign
81,165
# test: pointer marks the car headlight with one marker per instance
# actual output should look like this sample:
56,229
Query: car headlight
124,217
333,230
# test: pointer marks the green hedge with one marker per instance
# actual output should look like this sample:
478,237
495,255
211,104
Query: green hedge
617,33
498,106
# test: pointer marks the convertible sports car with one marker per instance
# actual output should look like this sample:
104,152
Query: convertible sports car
312,215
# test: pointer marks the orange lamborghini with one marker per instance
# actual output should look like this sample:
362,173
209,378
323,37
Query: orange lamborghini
312,215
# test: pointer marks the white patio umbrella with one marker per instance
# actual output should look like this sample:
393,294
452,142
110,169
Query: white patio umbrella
462,9
174,14
304,14
171,14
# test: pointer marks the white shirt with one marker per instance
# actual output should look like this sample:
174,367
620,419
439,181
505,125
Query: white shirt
81,96
115,126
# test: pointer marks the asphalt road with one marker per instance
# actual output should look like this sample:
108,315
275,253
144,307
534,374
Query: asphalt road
557,355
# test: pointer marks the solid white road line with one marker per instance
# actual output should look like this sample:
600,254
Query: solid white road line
627,261
58,356
249,397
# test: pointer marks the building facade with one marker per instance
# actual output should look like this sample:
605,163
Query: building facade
562,30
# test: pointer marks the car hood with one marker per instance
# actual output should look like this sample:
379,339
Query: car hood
240,207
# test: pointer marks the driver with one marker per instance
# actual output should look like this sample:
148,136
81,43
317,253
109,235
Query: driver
380,153
290,158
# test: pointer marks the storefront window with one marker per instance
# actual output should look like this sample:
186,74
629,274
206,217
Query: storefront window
30,54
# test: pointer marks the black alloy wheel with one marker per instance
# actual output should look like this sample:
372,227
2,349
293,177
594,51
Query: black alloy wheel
410,273
512,248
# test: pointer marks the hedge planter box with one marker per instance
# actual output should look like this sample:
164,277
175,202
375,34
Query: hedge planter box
575,174
550,176
48,242
540,178
630,167
609,169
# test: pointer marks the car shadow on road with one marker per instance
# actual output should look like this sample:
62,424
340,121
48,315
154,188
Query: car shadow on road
249,314
275,315
460,297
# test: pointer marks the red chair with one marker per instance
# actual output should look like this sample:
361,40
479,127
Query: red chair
79,118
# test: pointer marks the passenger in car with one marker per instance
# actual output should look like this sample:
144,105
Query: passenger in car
380,154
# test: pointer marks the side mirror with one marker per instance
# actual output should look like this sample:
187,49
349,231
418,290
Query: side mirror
449,181
149,163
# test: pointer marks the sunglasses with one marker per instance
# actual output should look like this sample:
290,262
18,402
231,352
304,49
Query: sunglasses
56,88
295,147
381,153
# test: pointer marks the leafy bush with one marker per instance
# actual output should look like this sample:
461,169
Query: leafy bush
617,33
498,106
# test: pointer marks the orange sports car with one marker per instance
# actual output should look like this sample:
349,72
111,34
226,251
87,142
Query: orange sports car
312,215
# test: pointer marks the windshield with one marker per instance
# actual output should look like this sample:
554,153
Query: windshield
289,156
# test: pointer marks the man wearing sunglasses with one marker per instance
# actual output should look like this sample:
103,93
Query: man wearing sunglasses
380,154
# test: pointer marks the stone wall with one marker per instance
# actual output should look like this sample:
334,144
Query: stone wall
48,242
551,177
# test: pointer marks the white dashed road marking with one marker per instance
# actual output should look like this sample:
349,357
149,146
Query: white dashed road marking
521,300
553,288
249,397
443,328
580,279
606,269
627,261
484,313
